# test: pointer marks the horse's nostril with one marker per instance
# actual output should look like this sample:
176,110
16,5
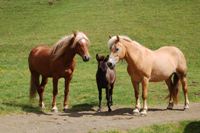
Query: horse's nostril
109,64
86,58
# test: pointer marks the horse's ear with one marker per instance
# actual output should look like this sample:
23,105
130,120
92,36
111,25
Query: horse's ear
106,59
73,38
110,36
74,33
97,57
117,38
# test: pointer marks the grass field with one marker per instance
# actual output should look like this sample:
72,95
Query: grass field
154,23
179,127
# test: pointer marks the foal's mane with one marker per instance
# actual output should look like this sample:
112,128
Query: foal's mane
58,49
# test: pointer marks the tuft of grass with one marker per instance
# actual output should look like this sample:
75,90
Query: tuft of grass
154,23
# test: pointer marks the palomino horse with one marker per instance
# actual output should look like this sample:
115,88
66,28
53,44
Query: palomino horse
145,65
56,62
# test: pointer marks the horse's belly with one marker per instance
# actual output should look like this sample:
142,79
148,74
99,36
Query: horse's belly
160,75
158,79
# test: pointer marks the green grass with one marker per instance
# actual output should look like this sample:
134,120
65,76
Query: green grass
154,23
179,127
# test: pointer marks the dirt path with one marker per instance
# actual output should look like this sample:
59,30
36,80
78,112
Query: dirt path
85,121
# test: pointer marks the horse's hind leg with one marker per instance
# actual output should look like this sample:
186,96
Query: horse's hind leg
185,91
170,87
41,90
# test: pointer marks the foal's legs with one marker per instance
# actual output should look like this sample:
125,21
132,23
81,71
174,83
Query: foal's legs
108,100
145,82
185,91
100,98
41,90
55,92
111,92
136,90
66,94
170,87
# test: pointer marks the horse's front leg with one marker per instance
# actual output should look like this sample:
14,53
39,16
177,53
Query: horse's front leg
111,92
100,98
66,94
55,92
136,91
145,83
108,99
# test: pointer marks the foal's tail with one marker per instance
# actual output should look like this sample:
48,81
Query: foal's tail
33,86
175,88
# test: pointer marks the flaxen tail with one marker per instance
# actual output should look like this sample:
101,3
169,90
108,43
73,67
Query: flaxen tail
175,88
33,86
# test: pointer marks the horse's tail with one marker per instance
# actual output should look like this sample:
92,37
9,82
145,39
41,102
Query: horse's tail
175,88
33,86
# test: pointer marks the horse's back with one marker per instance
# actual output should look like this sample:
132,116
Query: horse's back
172,55
39,59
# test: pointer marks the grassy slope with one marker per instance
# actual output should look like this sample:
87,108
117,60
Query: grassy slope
25,24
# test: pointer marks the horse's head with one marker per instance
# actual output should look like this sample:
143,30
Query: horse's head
81,44
117,51
102,62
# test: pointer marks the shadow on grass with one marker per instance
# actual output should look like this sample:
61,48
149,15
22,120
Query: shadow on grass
192,127
26,108
79,110
88,109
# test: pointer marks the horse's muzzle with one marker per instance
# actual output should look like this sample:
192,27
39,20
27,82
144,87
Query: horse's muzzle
86,58
110,65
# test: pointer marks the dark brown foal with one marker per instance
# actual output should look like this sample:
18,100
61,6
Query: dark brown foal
105,78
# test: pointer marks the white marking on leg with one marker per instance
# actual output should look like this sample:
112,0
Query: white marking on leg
54,109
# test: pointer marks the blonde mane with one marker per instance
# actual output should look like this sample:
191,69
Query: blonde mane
113,39
58,48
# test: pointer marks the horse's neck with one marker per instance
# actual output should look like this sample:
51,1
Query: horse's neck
67,57
134,53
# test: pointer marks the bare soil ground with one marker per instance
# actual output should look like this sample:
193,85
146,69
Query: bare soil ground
84,121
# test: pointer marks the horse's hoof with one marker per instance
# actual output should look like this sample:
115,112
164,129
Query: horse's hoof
54,109
186,107
136,111
143,112
170,106
99,110
109,110
65,109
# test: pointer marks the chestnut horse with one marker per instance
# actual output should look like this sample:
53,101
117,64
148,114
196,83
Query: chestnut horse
144,65
57,62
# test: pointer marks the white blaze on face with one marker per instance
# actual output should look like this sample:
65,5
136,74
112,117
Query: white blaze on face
83,41
112,60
